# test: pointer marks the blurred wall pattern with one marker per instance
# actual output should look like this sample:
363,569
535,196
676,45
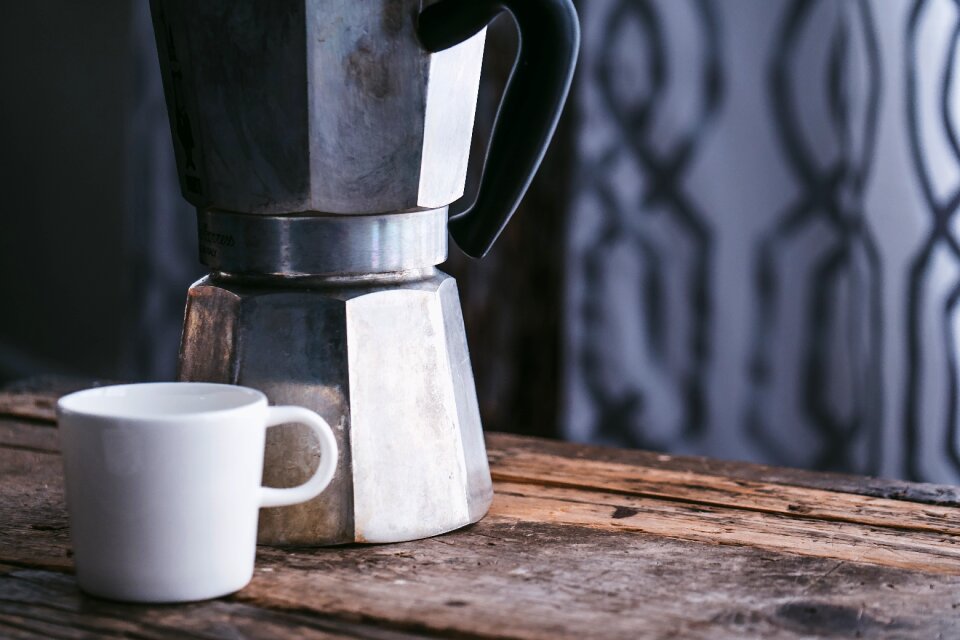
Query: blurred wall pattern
741,243
762,261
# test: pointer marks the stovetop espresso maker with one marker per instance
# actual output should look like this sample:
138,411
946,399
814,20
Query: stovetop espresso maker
322,142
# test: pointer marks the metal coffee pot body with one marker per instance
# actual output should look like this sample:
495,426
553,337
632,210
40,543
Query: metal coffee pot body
321,142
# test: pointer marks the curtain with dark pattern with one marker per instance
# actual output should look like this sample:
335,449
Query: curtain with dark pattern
925,376
763,262
742,245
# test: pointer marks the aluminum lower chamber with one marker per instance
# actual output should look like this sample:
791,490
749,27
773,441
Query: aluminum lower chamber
385,362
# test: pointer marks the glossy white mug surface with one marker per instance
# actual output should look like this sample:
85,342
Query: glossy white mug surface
163,486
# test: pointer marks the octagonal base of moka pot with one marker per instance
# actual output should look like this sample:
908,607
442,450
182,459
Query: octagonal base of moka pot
386,364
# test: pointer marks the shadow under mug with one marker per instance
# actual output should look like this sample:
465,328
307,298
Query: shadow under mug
163,486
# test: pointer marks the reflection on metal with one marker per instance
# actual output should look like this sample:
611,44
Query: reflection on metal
322,244
314,105
387,366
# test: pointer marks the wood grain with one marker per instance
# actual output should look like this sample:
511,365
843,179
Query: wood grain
537,580
692,487
927,493
33,406
929,553
17,434
36,398
42,604
581,542
34,529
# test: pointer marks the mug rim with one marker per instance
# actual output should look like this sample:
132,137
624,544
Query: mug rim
71,404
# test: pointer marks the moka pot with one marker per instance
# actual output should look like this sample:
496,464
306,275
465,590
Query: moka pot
322,142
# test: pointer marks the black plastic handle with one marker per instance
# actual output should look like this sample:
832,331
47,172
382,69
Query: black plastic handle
530,108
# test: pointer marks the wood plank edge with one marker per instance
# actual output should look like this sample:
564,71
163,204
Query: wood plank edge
499,476
889,488
881,555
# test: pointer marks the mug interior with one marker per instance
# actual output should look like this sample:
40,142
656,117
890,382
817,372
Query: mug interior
159,399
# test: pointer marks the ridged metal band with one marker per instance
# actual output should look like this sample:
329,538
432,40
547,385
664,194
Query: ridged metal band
300,245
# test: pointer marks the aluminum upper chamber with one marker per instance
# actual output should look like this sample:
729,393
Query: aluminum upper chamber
315,105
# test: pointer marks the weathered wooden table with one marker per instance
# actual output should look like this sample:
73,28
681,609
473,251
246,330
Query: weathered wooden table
581,542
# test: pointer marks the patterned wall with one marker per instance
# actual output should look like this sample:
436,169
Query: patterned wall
763,264
931,428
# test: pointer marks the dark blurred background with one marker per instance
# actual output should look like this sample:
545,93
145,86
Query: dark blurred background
741,243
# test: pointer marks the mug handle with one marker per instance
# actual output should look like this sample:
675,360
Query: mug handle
273,497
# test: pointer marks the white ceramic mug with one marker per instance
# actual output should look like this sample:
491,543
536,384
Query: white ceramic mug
163,486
